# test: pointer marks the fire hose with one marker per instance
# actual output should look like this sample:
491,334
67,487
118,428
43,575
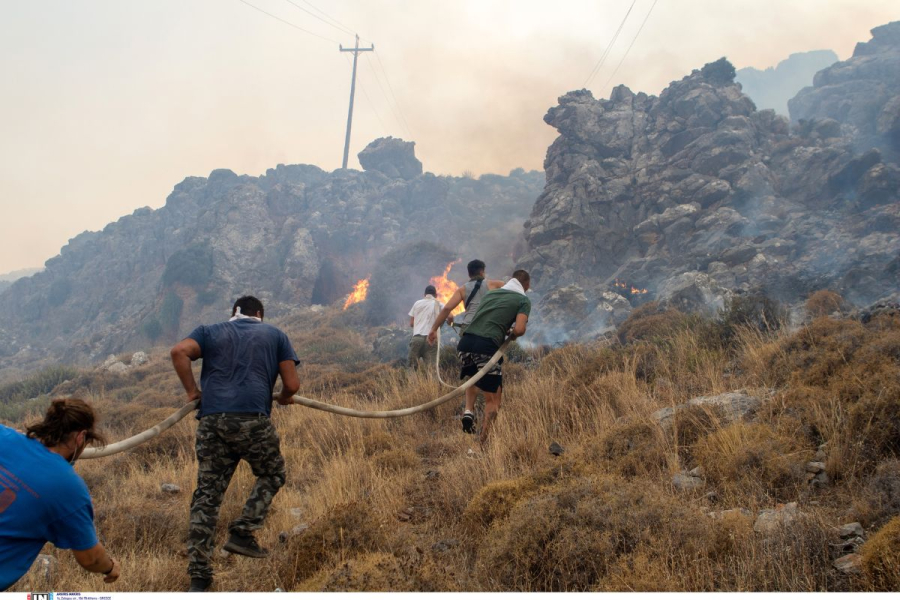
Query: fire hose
149,434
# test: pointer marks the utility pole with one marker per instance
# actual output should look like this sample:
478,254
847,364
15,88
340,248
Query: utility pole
355,50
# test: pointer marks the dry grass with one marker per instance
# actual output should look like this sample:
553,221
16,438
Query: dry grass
400,505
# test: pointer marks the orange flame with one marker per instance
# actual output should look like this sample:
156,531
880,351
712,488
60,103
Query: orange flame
359,293
445,288
634,291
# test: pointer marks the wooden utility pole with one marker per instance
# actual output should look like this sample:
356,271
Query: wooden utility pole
355,50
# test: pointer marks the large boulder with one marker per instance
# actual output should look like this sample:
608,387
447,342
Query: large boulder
393,157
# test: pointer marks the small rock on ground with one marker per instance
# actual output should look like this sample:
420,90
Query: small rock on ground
556,449
851,530
170,488
848,564
771,520
444,545
685,483
294,532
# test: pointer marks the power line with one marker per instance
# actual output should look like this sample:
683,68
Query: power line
314,15
394,96
289,23
346,28
384,93
634,39
600,62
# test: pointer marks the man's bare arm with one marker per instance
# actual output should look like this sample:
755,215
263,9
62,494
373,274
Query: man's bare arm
452,303
96,560
290,383
412,321
183,353
495,284
518,329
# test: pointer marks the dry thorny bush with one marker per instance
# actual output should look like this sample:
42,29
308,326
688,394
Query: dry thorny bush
401,504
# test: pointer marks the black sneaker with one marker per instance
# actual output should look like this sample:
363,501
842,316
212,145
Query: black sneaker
200,584
246,546
468,422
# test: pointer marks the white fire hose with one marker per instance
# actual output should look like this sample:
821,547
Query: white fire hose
144,436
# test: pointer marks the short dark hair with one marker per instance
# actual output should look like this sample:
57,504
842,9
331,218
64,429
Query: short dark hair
250,306
475,267
431,290
65,417
522,275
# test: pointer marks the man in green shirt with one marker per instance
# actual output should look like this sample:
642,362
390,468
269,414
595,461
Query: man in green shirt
499,310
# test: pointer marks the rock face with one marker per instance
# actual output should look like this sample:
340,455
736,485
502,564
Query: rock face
773,87
695,195
862,93
392,157
295,236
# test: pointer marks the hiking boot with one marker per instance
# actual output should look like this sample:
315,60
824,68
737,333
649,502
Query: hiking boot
468,422
200,584
245,545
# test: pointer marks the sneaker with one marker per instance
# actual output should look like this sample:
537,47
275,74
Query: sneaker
200,584
245,545
468,422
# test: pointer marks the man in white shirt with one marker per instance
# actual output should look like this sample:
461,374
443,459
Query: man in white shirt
421,318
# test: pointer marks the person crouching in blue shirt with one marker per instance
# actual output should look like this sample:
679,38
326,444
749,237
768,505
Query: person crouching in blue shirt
242,358
43,499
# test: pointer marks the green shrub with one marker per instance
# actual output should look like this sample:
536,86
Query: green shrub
170,311
152,328
42,382
191,266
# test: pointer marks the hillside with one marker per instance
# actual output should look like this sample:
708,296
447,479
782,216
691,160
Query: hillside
695,196
295,236
661,482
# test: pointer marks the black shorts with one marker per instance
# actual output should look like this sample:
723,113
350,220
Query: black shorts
474,353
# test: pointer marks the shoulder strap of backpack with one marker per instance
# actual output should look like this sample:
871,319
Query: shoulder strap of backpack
473,292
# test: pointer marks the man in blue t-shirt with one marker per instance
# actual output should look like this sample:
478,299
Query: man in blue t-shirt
42,498
242,358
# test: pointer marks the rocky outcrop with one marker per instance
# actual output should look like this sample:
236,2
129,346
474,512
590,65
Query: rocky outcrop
773,87
295,236
862,93
694,196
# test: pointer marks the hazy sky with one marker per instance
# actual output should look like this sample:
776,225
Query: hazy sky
107,104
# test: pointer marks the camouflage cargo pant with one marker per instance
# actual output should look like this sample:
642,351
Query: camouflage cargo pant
222,441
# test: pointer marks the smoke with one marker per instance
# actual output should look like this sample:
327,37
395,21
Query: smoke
400,279
170,89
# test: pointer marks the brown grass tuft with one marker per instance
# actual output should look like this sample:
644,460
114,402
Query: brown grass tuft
345,531
824,303
754,459
881,558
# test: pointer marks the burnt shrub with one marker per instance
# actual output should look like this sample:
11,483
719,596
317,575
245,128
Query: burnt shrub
755,311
